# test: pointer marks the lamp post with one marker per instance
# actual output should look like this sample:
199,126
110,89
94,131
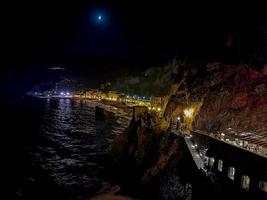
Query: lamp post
188,113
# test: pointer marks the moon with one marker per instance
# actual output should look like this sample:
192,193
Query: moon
99,17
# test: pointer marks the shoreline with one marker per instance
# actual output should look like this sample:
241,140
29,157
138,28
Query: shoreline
118,108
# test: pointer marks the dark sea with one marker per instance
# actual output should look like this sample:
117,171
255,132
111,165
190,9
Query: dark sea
53,148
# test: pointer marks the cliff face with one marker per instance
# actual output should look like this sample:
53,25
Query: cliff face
235,98
153,164
232,97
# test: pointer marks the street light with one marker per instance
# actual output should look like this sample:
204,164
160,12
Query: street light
188,112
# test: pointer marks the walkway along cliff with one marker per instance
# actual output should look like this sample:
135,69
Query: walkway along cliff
179,155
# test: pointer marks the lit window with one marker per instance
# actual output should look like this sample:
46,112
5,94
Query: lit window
263,186
231,173
245,182
211,162
220,165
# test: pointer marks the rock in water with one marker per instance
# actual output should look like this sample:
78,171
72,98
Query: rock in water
102,114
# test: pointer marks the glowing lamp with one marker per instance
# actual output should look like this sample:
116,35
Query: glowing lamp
189,112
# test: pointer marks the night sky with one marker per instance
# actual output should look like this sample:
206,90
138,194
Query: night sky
54,29
47,33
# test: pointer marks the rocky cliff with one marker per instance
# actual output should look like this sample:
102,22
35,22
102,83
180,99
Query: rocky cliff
235,98
230,97
150,164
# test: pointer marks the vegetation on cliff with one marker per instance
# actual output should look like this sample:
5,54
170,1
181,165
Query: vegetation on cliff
154,81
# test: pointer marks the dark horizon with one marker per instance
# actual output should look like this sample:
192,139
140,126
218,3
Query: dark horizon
130,37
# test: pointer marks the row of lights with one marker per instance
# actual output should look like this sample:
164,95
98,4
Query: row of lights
64,93
107,98
137,97
241,143
61,93
139,102
155,108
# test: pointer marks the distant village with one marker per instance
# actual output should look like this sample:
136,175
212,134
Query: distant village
152,103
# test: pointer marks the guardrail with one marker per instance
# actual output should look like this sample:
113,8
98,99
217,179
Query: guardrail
264,154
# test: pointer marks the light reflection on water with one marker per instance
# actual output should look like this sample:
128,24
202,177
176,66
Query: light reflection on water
70,135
